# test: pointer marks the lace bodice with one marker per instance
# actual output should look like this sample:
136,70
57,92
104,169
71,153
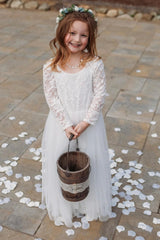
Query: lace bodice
83,91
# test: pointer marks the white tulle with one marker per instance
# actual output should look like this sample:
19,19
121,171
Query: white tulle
71,99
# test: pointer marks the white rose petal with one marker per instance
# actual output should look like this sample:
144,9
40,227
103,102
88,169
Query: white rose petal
124,151
26,178
153,122
139,153
131,233
139,238
103,238
14,139
139,113
36,158
22,122
12,118
131,143
156,220
151,174
15,158
1,228
4,145
138,70
85,225
154,135
117,129
146,205
70,232
119,160
120,228
25,200
151,110
150,197
138,98
113,215
18,175
77,224
13,164
147,212
158,233
19,194
7,161
155,186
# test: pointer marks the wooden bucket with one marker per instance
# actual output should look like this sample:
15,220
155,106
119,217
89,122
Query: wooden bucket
74,181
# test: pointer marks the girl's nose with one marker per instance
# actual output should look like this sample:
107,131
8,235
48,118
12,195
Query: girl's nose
77,37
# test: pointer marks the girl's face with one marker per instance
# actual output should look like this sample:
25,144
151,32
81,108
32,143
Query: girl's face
77,37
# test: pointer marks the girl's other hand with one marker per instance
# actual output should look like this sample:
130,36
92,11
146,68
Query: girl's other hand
69,131
81,127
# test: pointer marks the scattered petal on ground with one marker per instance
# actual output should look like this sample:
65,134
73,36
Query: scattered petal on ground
147,212
19,194
21,122
139,238
131,233
70,232
4,145
139,113
154,135
120,228
117,129
131,143
26,178
138,98
153,122
77,224
12,118
124,151
103,238
158,233
156,220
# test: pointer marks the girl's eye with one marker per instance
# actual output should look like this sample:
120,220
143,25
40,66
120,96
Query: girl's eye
72,33
83,35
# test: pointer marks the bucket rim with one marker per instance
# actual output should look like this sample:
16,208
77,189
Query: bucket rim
73,172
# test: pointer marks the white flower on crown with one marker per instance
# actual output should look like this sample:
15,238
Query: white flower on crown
89,10
61,10
57,20
76,8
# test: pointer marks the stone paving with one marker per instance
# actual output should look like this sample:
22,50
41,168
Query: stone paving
131,54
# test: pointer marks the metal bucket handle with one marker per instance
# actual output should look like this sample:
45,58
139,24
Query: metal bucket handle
77,149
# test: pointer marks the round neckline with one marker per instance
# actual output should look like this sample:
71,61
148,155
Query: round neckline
72,73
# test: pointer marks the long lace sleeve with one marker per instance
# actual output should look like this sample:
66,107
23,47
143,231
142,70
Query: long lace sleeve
51,95
99,91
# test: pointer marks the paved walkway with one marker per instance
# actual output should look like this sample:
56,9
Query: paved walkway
131,54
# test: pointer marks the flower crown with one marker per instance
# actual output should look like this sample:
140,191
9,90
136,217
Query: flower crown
64,11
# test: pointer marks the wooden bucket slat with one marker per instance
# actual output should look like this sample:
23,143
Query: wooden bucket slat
79,163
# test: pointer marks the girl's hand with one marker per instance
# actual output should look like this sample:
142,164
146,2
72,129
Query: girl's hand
69,131
81,127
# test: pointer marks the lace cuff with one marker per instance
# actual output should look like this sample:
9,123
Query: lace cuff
99,91
52,98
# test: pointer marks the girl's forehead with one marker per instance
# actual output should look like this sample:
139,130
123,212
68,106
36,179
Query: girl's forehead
79,25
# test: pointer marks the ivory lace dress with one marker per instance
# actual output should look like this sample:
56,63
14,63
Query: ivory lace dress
73,97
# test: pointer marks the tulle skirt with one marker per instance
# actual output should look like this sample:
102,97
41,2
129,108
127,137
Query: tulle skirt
93,141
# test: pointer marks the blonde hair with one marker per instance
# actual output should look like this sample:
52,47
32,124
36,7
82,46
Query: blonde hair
62,53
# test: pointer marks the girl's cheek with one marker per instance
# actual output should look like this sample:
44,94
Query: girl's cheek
67,37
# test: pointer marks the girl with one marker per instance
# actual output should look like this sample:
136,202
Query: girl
74,86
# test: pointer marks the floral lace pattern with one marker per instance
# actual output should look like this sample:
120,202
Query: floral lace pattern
67,92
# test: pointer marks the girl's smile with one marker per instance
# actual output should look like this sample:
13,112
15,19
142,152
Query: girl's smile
77,37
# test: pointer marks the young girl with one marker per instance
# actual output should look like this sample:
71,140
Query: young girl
74,86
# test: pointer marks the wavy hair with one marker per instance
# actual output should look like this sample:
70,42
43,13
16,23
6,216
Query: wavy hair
62,53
